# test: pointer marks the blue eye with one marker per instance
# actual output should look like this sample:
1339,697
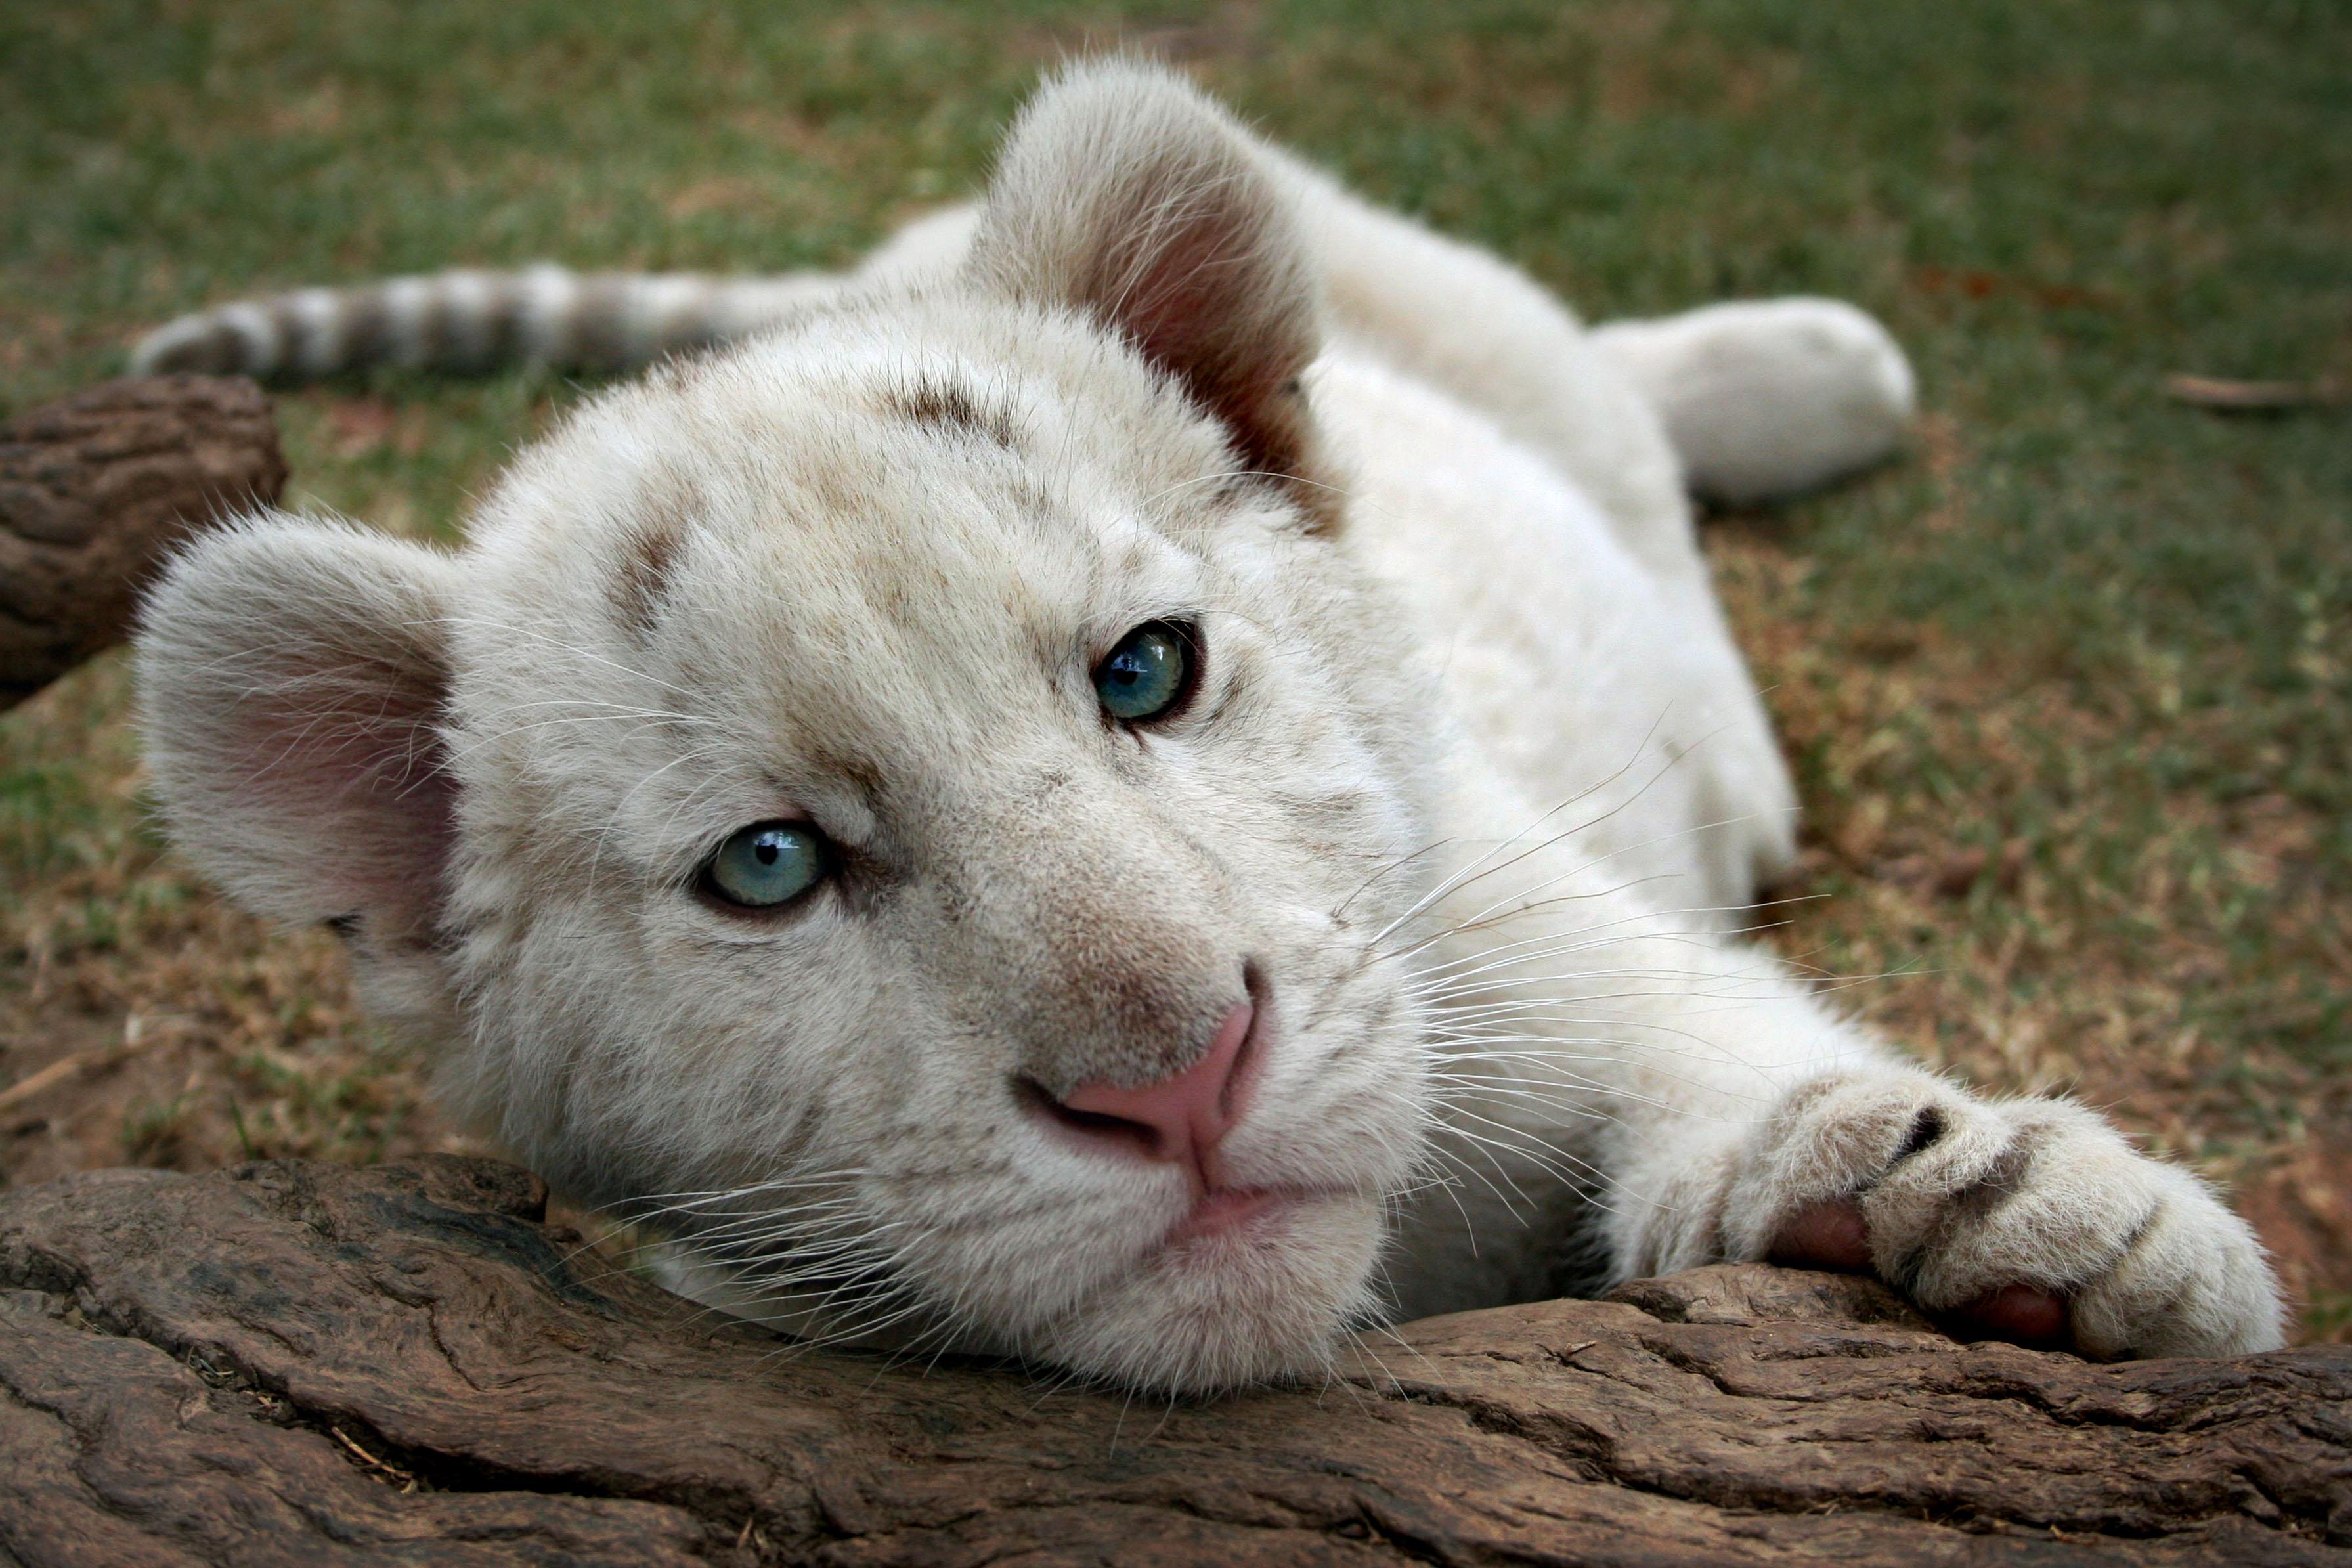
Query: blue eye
1147,675
767,864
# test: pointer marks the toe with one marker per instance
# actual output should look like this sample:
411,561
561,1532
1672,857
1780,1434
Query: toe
1827,1235
2021,1313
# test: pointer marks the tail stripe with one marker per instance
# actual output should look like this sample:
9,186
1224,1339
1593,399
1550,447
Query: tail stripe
251,330
365,333
474,321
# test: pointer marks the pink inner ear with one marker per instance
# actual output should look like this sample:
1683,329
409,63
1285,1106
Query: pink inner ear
294,677
1201,304
348,765
1127,195
402,810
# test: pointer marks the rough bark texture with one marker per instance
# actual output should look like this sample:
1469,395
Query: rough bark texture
305,1364
95,488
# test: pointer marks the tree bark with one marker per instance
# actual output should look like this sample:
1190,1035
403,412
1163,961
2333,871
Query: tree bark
94,489
298,1363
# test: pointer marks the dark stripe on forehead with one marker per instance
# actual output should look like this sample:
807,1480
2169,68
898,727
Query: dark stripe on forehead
953,409
853,767
650,554
642,579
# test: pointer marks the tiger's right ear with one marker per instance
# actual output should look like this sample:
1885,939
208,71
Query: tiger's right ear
293,677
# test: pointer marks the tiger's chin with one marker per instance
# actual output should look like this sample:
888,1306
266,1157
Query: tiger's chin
1259,1291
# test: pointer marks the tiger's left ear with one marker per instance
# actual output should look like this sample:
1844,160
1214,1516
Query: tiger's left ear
1125,193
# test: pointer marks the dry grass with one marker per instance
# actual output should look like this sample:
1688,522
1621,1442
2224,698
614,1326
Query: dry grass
2007,957
162,1026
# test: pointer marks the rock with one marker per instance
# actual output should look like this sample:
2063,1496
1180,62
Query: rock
300,1363
94,489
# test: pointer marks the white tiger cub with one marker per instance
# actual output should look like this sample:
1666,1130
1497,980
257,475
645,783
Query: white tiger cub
1150,780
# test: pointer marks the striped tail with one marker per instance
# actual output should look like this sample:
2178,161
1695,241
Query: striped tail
471,322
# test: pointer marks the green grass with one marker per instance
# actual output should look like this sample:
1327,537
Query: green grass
2103,635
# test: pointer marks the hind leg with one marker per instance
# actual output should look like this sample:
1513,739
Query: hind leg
1484,331
1769,397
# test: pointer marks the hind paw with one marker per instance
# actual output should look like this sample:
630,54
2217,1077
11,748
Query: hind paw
1769,397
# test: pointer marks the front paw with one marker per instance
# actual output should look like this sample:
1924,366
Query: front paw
2033,1220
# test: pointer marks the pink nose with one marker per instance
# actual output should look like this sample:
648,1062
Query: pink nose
1180,1120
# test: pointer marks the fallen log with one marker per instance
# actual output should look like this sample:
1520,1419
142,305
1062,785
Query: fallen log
300,1364
95,488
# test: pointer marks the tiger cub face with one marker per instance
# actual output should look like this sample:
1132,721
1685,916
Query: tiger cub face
914,803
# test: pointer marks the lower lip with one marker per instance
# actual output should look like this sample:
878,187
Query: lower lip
1222,1212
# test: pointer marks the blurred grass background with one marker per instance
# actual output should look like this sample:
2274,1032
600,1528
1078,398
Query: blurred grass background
2067,688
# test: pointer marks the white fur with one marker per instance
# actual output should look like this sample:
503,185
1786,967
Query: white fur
1765,398
1469,798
